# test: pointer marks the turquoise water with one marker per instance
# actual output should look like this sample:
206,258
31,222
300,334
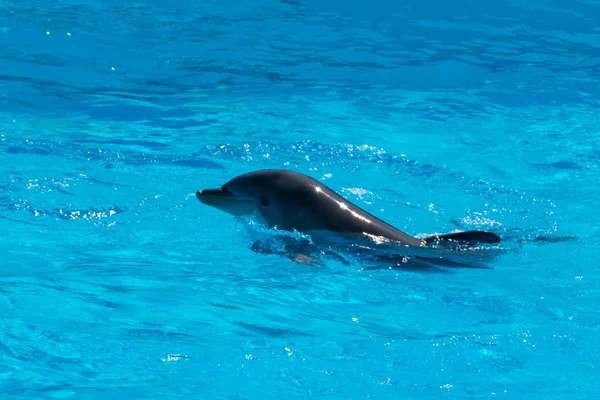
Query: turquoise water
115,282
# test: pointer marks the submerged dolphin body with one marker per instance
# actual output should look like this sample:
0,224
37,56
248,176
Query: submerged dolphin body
292,201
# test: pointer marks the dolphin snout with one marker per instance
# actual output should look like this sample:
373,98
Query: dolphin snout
224,200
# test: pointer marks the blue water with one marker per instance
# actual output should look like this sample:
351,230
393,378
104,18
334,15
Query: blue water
115,282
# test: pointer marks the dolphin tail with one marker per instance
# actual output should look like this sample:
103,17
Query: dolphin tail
468,237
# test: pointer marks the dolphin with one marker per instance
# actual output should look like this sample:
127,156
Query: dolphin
291,201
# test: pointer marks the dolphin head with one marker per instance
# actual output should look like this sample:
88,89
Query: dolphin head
271,194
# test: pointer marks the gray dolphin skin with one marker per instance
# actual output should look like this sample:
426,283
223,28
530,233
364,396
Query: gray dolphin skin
291,201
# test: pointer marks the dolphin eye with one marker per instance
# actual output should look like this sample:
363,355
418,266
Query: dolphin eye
264,201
